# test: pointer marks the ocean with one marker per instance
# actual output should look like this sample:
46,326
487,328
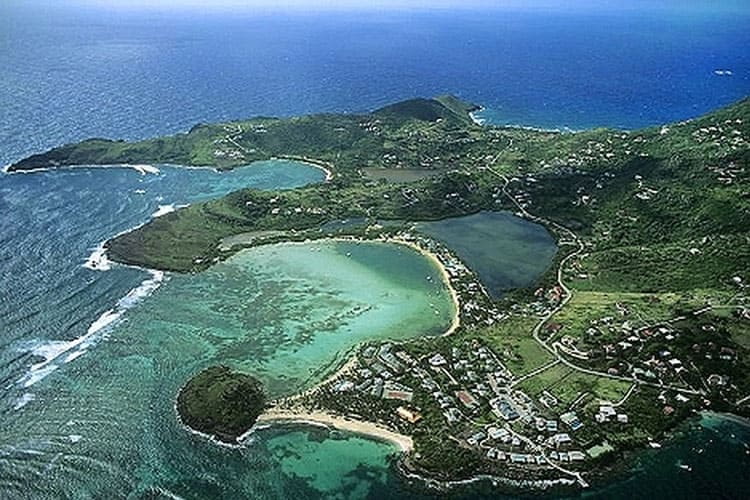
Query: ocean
90,357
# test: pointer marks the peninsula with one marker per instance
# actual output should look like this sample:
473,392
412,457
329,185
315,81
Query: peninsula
642,321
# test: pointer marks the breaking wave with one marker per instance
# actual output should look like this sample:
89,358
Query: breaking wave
58,352
166,209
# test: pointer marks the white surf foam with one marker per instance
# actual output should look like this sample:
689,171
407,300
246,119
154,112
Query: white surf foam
476,119
142,169
27,398
167,209
73,355
163,210
35,374
98,260
145,169
146,288
53,351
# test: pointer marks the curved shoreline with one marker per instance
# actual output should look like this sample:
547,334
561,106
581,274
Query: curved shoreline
351,361
456,322
149,168
327,168
363,427
274,416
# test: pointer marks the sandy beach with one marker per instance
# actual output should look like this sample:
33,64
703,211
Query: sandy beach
319,164
404,443
350,364
456,322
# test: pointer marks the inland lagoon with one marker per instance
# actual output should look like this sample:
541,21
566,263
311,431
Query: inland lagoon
504,250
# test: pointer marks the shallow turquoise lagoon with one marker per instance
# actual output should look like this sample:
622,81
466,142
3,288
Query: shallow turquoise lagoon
103,423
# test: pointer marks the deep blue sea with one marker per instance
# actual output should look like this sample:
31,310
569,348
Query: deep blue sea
69,73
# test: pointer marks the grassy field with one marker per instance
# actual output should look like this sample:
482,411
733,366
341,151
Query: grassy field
567,385
512,340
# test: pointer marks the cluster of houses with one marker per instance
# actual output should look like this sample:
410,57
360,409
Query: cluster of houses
275,206
467,384
644,193
227,147
609,149
725,136
727,174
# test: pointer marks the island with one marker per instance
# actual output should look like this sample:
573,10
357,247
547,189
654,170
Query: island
221,403
641,322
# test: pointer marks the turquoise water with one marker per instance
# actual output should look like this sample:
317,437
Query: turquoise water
87,404
104,423
505,251
290,313
71,73
91,361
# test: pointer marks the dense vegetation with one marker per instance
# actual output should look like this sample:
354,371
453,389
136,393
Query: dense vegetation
662,214
392,136
221,403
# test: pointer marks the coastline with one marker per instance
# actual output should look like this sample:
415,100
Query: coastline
456,322
144,169
319,164
363,427
203,435
351,362
477,121
403,442
482,122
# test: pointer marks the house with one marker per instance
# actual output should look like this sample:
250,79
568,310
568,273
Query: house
571,420
409,415
467,399
497,433
392,390
559,439
377,387
607,410
343,386
502,408
553,327
438,360
576,456
452,415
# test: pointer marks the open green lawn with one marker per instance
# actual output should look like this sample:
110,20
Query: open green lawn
511,339
567,385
